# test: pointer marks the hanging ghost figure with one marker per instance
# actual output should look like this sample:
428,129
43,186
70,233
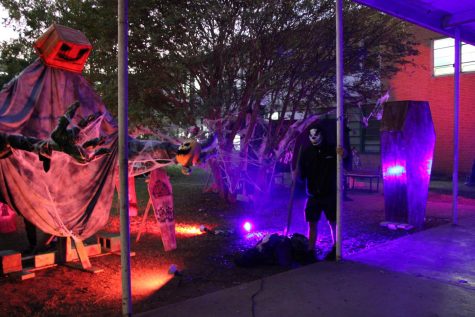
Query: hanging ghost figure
59,144
68,139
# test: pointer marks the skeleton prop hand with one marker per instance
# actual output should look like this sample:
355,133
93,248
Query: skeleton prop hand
62,139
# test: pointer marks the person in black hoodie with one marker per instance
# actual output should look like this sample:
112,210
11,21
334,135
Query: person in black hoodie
317,166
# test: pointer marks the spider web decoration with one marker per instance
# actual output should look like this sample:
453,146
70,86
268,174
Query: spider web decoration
377,111
238,170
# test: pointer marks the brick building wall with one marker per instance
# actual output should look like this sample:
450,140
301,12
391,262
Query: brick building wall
417,82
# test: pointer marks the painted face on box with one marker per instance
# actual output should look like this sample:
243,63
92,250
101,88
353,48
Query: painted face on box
315,137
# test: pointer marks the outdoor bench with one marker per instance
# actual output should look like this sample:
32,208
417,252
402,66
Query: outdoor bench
351,176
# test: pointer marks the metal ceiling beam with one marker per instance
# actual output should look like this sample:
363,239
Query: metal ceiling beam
459,19
428,17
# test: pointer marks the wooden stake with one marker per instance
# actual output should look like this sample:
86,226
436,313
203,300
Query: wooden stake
292,192
144,219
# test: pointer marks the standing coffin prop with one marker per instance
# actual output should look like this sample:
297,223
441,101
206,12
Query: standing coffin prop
407,148
161,196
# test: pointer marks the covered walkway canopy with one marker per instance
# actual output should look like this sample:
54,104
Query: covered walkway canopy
441,16
455,18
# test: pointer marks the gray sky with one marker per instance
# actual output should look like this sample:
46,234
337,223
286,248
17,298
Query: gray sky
5,33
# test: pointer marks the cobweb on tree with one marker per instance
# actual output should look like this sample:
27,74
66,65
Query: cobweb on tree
238,168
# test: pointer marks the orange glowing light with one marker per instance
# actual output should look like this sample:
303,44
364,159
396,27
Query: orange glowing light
146,282
187,230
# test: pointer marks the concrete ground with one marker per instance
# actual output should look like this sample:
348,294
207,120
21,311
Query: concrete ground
444,254
333,289
429,273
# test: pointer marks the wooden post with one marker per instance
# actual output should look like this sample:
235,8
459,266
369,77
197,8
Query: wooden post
292,194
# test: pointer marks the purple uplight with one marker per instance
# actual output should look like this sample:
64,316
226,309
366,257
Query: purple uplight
396,170
247,226
407,148
429,166
255,235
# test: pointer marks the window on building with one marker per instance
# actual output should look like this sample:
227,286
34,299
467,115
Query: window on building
444,57
364,139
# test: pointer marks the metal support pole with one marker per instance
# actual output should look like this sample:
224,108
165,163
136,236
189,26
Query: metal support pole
455,176
340,123
122,28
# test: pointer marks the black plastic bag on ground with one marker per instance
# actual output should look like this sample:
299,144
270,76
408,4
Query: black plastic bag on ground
283,252
249,258
272,249
299,244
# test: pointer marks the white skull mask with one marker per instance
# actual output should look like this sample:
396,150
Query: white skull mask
315,137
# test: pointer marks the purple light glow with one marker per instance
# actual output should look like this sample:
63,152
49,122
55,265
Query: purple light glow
256,235
429,166
247,226
407,147
395,170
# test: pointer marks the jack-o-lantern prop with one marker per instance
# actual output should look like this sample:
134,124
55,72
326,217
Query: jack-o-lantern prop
63,47
188,154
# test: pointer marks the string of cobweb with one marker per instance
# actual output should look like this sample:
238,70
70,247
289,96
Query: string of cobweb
230,163
377,111
147,159
61,228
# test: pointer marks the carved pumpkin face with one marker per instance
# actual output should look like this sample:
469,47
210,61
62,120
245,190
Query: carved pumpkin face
71,53
188,153
63,47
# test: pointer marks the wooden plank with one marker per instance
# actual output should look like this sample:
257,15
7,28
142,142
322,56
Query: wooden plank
144,219
82,254
132,253
91,249
79,266
64,250
34,269
22,275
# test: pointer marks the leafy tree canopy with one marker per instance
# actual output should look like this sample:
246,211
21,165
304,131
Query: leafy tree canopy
212,58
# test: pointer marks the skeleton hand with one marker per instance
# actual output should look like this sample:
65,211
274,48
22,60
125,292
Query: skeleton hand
62,139
65,140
